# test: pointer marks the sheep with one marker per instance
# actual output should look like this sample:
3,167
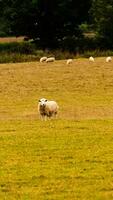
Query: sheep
91,59
51,59
108,59
47,108
69,61
43,59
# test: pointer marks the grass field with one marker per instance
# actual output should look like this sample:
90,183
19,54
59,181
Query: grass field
68,158
11,39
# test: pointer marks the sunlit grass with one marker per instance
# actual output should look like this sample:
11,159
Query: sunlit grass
67,158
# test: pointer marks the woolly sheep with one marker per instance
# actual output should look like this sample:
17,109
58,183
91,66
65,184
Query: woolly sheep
108,59
43,59
47,108
51,59
91,59
69,61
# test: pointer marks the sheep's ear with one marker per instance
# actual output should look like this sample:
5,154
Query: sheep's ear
39,100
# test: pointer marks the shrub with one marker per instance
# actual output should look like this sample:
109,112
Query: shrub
15,47
97,53
16,57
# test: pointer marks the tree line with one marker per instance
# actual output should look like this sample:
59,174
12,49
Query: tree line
59,23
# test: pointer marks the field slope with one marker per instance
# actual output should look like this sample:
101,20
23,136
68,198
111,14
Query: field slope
69,158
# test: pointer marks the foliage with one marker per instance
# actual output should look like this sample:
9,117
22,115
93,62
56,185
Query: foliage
16,47
102,11
26,52
97,53
46,21
59,23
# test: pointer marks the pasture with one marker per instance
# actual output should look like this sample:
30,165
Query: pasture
11,39
70,157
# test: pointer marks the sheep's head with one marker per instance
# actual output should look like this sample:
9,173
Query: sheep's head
42,102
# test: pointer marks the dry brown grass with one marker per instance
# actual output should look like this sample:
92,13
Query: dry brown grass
83,90
11,39
63,159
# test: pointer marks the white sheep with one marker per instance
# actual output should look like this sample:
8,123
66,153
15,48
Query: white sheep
47,108
91,59
51,59
69,61
43,59
108,59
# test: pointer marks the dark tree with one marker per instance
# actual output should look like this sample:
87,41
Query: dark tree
48,21
102,12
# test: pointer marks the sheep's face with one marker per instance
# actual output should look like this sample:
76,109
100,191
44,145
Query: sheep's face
42,102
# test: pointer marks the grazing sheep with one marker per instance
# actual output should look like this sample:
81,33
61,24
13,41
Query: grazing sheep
69,61
43,59
47,108
51,59
108,59
91,59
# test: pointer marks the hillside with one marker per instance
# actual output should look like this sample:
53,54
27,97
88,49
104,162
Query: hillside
69,158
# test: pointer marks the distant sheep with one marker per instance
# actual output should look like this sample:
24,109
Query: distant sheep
108,59
43,59
47,108
69,61
91,59
51,59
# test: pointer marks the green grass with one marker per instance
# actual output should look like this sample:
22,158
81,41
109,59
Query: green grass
68,158
56,159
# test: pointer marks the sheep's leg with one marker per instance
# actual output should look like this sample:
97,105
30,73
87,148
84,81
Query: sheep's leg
55,115
45,118
42,117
